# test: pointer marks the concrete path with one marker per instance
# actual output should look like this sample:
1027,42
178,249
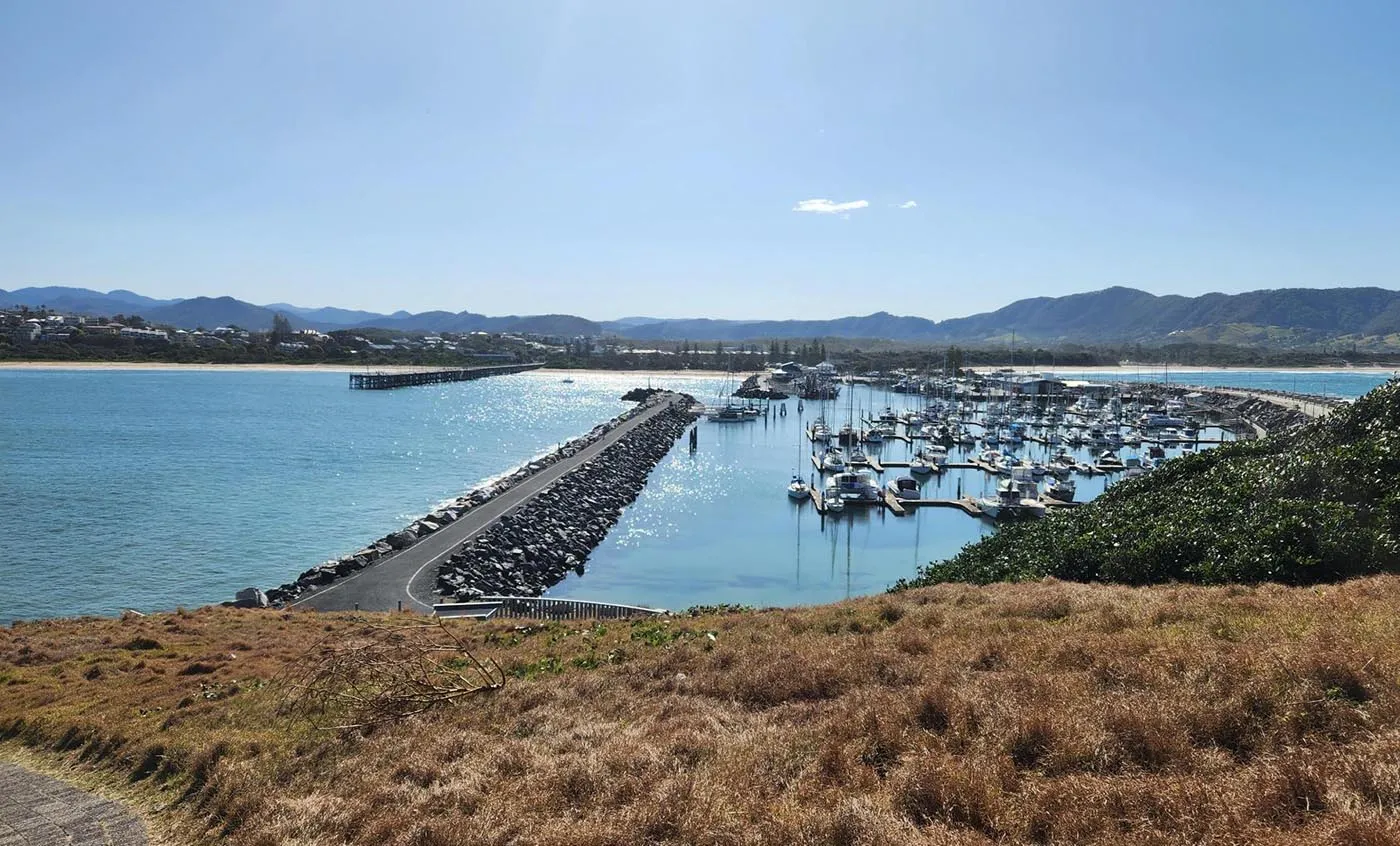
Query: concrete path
36,810
409,576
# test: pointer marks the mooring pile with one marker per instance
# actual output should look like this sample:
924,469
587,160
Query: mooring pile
534,547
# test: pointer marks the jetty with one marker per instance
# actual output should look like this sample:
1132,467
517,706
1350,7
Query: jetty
410,378
406,580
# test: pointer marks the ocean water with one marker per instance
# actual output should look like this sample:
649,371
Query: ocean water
155,489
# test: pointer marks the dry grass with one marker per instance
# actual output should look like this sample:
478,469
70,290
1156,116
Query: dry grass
1033,713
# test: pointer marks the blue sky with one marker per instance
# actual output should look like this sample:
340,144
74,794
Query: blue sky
611,159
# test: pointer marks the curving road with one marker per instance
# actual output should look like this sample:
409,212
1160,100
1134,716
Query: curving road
407,578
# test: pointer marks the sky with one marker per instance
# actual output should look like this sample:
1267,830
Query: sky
722,159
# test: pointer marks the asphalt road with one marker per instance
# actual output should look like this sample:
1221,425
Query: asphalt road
409,576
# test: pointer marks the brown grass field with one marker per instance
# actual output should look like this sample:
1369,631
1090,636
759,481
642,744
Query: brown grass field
1031,713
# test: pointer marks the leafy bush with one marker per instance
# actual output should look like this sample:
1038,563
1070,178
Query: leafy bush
1318,504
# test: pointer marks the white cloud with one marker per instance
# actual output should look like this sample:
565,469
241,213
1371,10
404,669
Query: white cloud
907,204
829,206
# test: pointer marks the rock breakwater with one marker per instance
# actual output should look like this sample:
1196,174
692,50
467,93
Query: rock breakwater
536,546
329,571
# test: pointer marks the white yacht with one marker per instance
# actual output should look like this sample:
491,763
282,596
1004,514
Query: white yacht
904,487
854,487
834,460
1015,498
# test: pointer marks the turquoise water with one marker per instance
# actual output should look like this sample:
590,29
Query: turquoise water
153,489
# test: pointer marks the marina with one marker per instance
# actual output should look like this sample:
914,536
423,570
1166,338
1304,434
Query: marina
249,478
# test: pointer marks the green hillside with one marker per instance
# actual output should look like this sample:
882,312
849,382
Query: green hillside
1318,504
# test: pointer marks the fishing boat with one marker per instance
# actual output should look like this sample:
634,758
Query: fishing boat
904,487
1061,489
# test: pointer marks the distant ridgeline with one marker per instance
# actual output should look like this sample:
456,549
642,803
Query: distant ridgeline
1318,504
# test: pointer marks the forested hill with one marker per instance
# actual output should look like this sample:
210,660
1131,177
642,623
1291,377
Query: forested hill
1316,504
1114,315
1287,317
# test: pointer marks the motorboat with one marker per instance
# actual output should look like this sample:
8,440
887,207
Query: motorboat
1061,489
833,501
854,487
904,487
1109,460
798,489
567,381
935,454
727,414
1155,420
1015,497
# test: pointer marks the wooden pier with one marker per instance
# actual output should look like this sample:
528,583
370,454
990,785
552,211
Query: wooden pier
386,381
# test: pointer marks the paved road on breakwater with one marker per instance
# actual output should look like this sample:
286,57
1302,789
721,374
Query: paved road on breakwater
1312,408
409,576
36,810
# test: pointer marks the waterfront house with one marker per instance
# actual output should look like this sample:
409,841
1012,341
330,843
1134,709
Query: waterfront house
25,333
157,336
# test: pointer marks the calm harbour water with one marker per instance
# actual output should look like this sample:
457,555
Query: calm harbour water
152,489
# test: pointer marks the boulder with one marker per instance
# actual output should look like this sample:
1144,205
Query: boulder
250,597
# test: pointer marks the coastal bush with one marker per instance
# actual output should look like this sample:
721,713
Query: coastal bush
1318,504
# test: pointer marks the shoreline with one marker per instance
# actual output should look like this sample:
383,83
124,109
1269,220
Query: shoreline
315,368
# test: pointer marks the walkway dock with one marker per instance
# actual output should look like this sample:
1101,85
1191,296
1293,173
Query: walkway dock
386,381
406,579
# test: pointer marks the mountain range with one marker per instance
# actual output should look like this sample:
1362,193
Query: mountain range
1277,317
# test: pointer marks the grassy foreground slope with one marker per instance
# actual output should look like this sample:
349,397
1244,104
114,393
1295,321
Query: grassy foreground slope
1318,504
1042,712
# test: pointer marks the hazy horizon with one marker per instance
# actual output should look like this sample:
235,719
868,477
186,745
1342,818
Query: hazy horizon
797,161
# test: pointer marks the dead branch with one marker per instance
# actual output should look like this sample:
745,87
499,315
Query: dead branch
385,673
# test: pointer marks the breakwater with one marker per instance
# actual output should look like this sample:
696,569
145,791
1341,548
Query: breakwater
1248,412
386,381
460,509
536,546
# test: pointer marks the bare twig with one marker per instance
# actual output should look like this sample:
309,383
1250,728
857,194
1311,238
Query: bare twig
386,673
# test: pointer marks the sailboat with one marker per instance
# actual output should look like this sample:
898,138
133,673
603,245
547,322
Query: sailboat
797,488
